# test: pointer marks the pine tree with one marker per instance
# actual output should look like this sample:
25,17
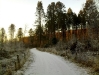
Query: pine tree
61,18
2,37
40,14
11,31
31,34
92,16
20,34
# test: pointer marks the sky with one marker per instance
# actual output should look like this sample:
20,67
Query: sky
22,12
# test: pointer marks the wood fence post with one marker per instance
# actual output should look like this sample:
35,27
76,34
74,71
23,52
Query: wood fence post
24,56
15,66
18,60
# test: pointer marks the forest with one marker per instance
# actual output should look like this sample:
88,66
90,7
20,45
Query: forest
57,24
57,28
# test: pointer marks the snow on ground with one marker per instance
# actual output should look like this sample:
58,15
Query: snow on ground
44,63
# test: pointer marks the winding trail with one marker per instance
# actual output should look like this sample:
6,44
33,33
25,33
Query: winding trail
49,64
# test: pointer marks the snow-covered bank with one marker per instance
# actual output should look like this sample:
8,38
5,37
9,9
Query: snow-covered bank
48,64
13,63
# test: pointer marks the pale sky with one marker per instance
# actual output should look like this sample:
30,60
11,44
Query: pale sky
22,12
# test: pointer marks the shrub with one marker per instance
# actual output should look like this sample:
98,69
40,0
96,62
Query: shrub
4,53
54,41
73,47
80,47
